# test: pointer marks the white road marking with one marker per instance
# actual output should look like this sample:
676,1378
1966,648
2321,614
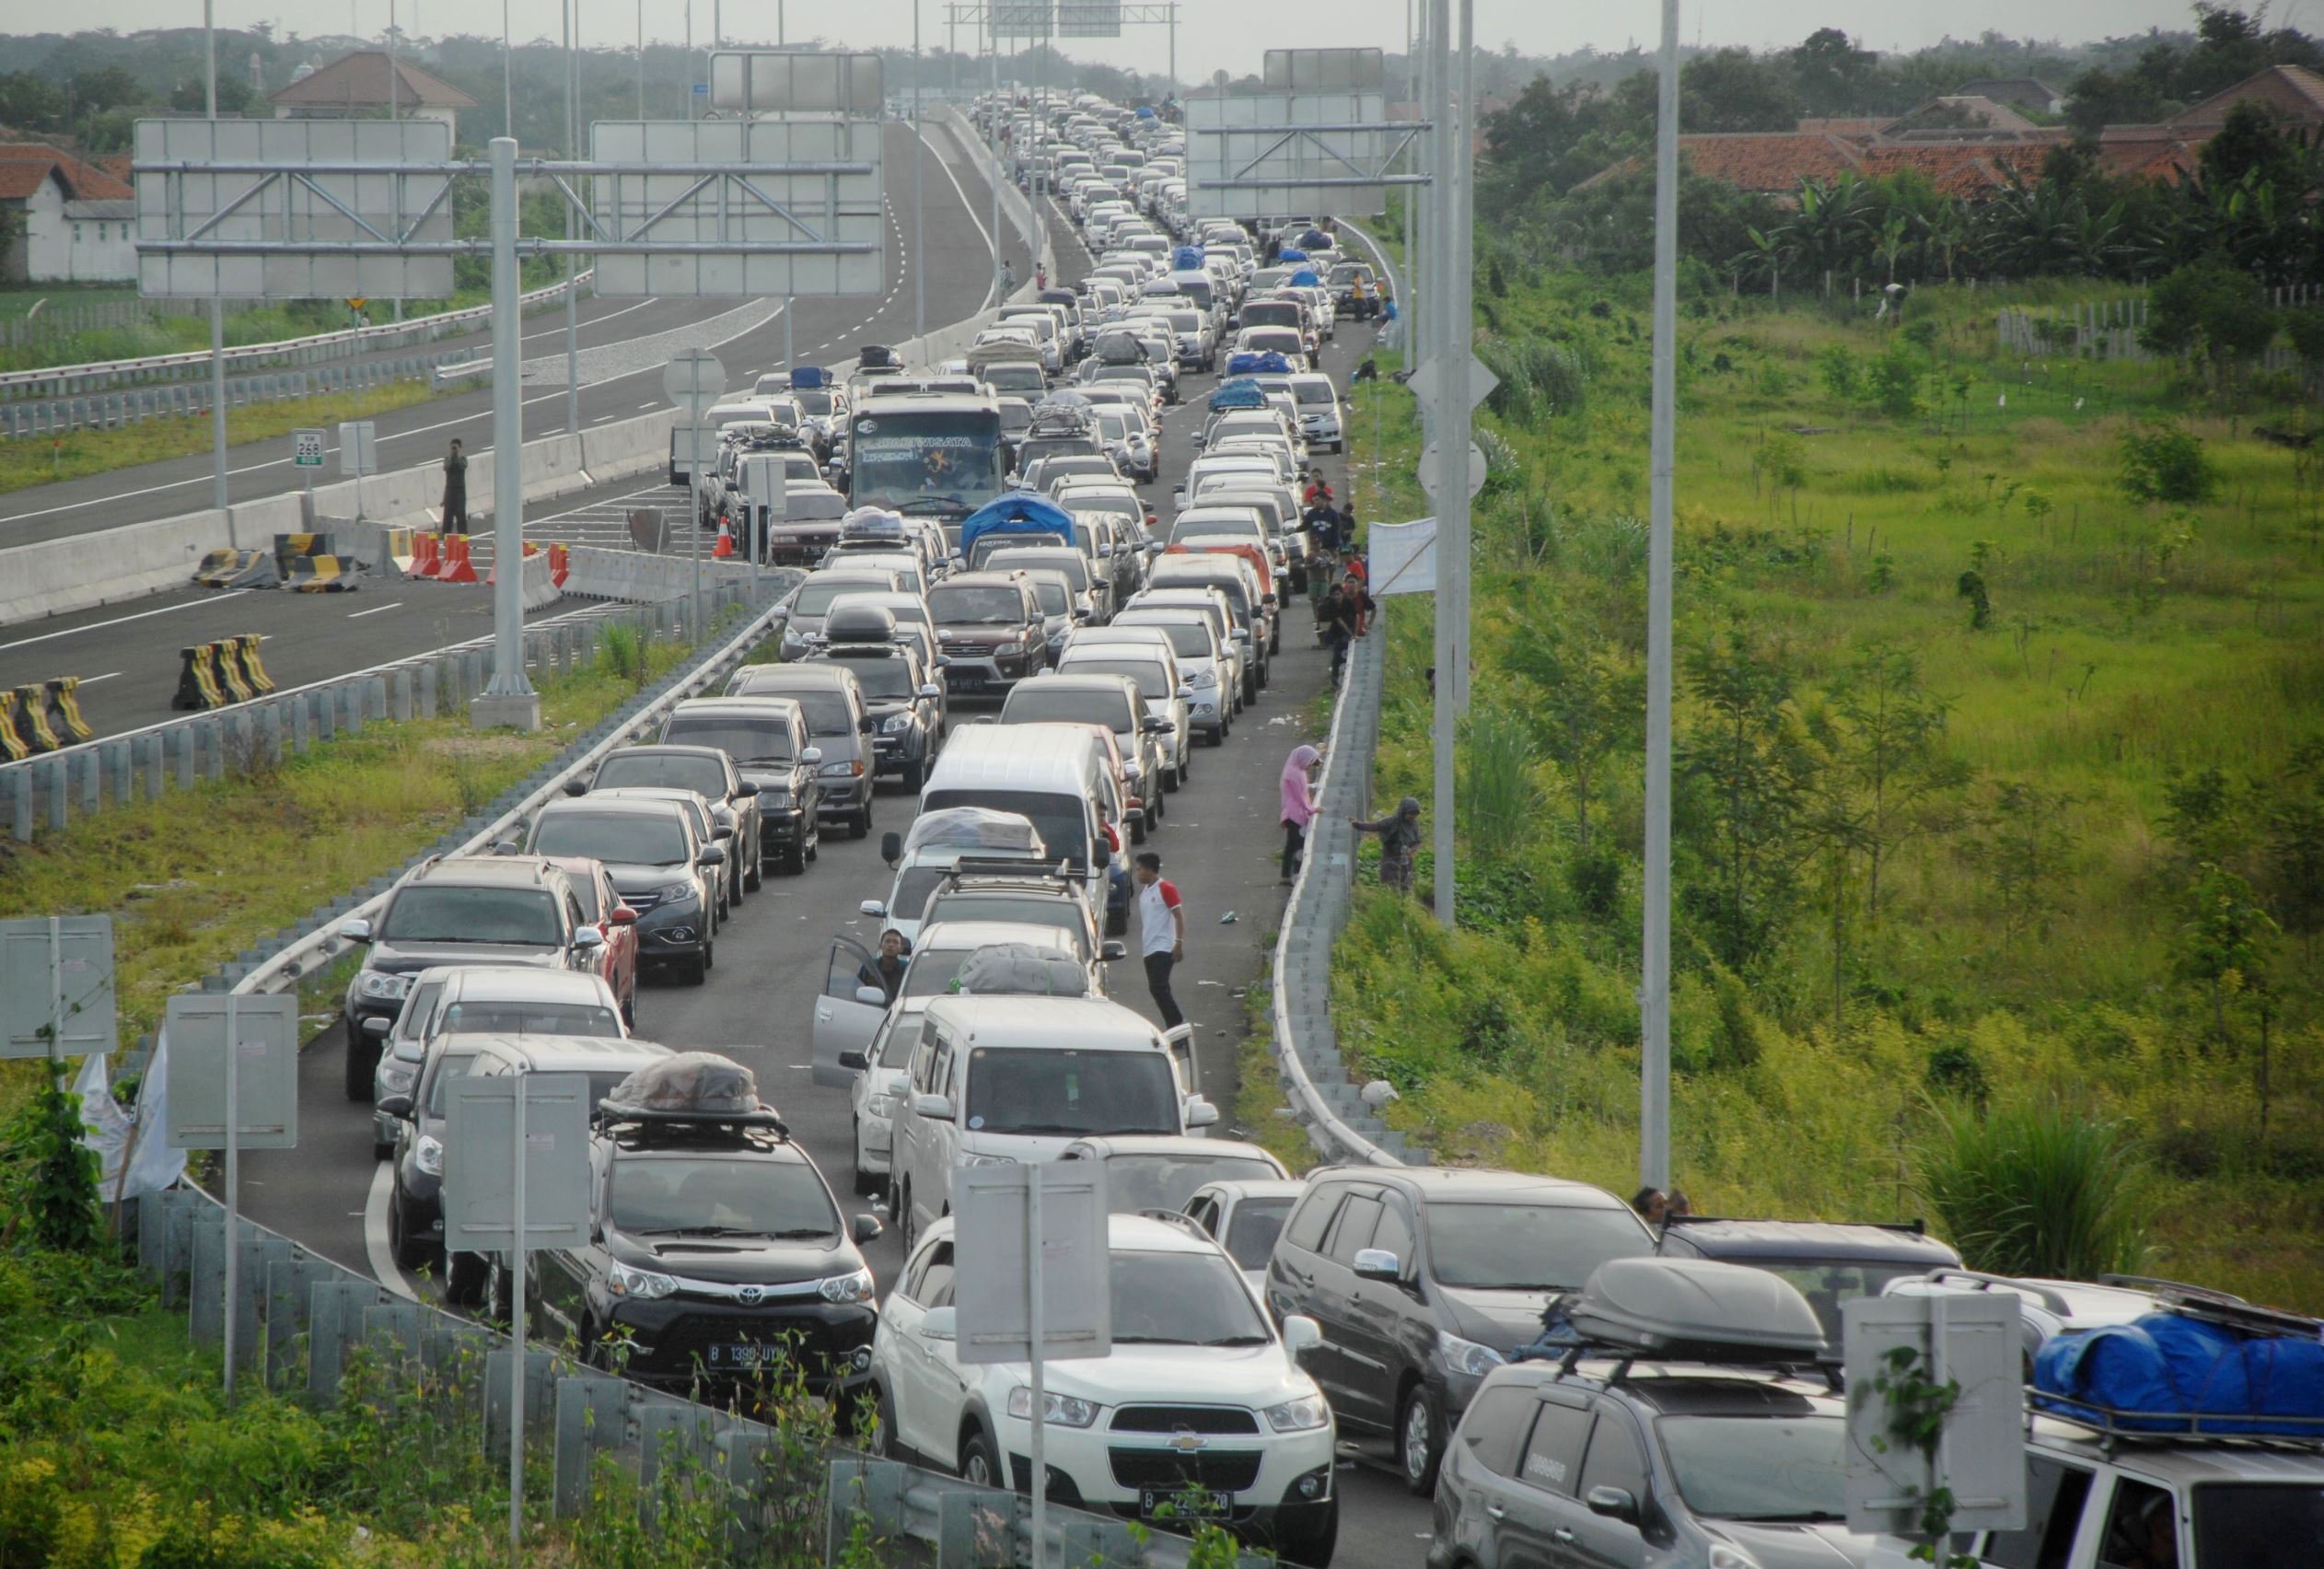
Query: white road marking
359,615
92,681
375,1234
121,621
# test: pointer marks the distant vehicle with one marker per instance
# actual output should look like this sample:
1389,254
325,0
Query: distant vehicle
926,456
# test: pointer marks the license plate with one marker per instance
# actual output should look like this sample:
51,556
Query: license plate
1182,1503
968,682
743,1357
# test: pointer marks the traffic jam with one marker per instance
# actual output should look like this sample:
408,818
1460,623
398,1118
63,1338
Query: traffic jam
1040,582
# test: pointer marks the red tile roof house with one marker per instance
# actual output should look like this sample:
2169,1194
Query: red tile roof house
78,222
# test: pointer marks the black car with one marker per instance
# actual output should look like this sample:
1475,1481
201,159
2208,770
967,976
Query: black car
660,866
717,1253
1830,1263
458,910
1425,1280
416,1205
769,747
906,707
704,768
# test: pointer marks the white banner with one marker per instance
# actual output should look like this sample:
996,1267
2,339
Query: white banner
1403,557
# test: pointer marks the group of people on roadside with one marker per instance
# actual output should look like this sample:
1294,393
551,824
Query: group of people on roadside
1399,831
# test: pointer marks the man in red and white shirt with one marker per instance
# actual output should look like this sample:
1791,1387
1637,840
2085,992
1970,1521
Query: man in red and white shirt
1161,932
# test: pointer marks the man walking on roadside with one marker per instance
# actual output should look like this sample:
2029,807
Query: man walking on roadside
456,490
1161,932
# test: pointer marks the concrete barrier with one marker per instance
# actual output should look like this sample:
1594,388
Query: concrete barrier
74,574
255,523
540,587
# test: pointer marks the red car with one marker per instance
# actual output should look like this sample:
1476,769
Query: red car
602,907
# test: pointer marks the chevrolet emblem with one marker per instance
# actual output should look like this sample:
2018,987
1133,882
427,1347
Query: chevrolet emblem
1185,1440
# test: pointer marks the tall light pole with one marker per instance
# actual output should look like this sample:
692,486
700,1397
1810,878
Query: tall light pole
919,211
509,699
1653,980
641,58
570,10
217,307
507,78
1452,468
1000,124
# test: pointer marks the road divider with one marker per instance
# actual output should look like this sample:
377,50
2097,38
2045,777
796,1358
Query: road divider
41,716
321,575
457,567
238,569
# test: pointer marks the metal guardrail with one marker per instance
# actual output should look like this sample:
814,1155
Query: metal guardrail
972,1527
112,411
60,381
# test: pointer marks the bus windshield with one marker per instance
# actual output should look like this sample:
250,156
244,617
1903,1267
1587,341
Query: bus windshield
933,463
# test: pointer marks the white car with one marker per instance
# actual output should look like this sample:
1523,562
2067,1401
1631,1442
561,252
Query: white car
881,1075
1245,1217
1201,1392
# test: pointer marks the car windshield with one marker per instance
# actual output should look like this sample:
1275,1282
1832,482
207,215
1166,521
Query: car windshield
975,604
1759,1468
828,712
1052,595
1827,1284
427,913
913,885
1166,1179
449,1066
635,838
1252,1230
1061,820
1182,1299
1154,681
1078,501
1488,1247
704,775
815,595
1075,1093
1070,564
490,1018
1318,392
745,740
881,678
703,1196
1191,640
1063,915
816,403
1034,703
2257,1525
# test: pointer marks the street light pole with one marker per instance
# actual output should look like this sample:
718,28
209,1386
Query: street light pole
1654,981
507,77
217,307
1450,469
919,262
509,699
570,10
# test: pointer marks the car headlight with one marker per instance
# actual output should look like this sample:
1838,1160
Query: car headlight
1302,1415
386,988
644,1286
1008,649
847,770
686,898
987,1160
896,724
1066,1411
1726,1557
396,1076
429,1155
1468,1357
855,1287
1198,678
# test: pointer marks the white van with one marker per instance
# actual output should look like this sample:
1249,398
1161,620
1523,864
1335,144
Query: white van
1019,1078
1055,776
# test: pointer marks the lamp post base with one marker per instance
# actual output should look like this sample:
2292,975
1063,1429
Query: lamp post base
517,711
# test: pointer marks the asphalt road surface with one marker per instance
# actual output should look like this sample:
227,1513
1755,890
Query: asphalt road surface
1218,843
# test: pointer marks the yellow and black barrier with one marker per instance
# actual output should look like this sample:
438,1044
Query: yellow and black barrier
238,569
64,709
243,650
198,681
317,574
33,718
14,747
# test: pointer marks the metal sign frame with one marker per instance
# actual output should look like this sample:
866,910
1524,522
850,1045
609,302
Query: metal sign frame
482,1200
1275,154
45,1009
1089,19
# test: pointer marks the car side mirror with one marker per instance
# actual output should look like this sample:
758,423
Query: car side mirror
872,907
396,1106
871,996
745,789
722,831
856,1061
934,1108
941,1324
811,756
588,939
1379,1263
1200,1113
1614,1503
1186,694
1113,950
866,1229
623,916
378,1024
1300,1333
1155,724
865,725
891,850
930,689
712,856
355,931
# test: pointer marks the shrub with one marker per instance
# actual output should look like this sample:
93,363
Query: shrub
1500,794
1895,383
2036,1189
2163,461
1840,371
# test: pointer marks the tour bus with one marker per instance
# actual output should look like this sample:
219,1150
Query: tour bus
926,455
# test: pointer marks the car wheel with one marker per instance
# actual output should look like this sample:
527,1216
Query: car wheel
860,825
695,969
880,1442
754,873
363,1061
815,843
1186,765
1420,1441
900,1205
916,775
795,863
629,1005
980,1467
710,956
499,1295
410,1251
466,1279
1137,831
381,1151
1311,1548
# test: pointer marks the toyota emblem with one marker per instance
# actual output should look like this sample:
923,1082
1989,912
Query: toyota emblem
750,1295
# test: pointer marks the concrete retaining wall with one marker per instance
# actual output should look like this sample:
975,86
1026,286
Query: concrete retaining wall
113,564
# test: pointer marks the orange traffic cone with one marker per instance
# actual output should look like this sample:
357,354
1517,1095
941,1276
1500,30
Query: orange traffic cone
726,545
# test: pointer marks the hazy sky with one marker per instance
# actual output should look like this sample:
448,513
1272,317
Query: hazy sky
1211,34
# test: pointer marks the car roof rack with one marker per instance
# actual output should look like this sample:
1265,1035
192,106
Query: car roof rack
995,866
2113,1425
1916,1227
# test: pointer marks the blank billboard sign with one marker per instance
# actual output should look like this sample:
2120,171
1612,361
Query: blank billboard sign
1088,18
1024,18
1323,71
720,227
776,82
1284,155
316,223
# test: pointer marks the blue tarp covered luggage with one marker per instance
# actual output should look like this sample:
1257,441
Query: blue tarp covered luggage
1304,278
1239,393
1019,512
1187,259
809,376
1268,363
1289,254
2167,1373
1315,240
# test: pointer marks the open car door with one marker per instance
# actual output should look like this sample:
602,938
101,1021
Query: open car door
844,1021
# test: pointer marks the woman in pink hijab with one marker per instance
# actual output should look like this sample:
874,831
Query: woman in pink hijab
1298,806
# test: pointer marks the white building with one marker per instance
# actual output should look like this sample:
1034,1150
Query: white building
355,87
78,224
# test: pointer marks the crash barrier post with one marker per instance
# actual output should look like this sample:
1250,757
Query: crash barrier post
244,651
238,569
456,567
65,708
319,575
32,718
229,669
198,681
14,747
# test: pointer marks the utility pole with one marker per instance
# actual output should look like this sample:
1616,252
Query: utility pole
1461,273
641,58
570,10
395,82
1452,468
510,698
1654,981
919,213
1000,124
507,78
217,306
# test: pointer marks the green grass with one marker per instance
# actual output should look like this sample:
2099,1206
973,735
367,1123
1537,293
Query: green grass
2127,647
36,461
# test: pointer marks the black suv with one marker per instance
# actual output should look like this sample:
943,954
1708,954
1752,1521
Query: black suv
769,746
1425,1280
991,629
717,1253
707,771
905,704
1830,1263
458,910
662,869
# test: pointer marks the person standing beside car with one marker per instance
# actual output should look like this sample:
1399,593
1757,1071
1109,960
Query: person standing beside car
1298,806
1161,933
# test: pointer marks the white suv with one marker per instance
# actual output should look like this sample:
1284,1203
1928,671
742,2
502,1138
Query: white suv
1201,1399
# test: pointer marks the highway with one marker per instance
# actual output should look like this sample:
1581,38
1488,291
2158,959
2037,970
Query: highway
127,654
1218,843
